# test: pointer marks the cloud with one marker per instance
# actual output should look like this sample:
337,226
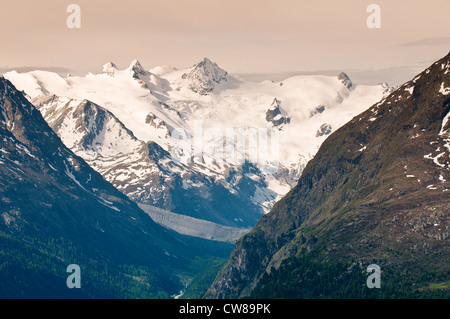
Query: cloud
428,42
22,69
393,76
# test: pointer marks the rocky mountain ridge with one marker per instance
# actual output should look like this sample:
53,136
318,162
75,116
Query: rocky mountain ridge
377,191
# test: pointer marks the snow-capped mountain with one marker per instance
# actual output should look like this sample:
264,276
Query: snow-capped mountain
170,138
204,76
144,171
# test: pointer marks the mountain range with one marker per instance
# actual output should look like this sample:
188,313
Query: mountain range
126,124
132,174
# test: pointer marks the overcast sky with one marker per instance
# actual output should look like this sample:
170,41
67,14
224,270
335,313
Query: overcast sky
253,37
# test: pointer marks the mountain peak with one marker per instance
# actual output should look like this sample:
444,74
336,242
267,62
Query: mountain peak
275,104
274,115
204,76
343,77
210,68
135,63
109,68
206,61
136,68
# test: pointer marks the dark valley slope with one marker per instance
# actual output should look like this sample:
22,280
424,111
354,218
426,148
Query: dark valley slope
378,191
55,211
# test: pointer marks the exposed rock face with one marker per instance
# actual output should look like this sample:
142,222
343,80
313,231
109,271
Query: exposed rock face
387,89
317,110
136,69
275,116
324,129
157,123
377,191
205,76
345,80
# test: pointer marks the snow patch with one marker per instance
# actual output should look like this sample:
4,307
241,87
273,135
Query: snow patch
410,89
444,124
443,90
435,159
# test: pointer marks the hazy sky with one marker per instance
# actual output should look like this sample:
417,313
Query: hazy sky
242,36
